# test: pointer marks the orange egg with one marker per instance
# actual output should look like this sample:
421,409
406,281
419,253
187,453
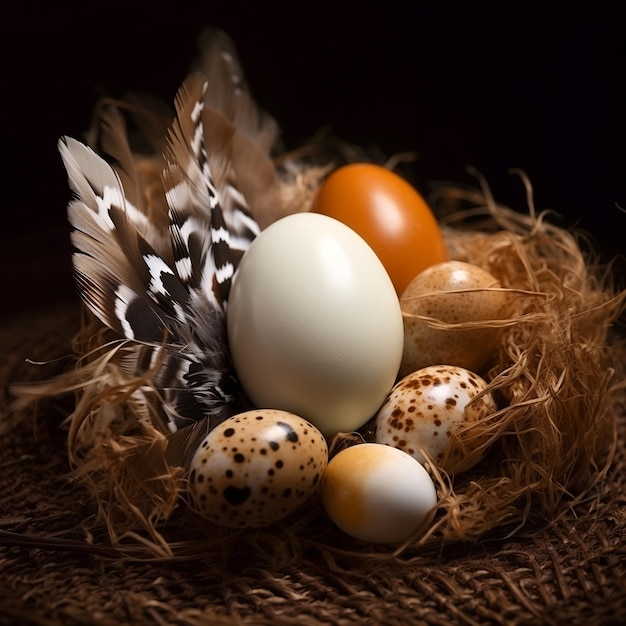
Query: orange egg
388,213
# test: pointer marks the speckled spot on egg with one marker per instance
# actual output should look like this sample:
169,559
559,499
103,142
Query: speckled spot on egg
426,408
256,468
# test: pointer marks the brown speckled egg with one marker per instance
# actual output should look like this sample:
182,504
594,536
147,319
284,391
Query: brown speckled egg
256,467
427,407
439,292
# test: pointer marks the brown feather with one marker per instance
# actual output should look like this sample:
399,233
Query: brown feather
255,132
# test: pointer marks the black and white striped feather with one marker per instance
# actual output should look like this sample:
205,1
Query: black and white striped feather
156,268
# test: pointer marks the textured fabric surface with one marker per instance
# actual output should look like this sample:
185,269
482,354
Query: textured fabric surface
56,569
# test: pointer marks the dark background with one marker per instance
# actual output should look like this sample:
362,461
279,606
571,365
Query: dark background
494,86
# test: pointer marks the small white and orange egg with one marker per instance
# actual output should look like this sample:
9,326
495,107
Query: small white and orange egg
378,493
256,468
453,292
438,410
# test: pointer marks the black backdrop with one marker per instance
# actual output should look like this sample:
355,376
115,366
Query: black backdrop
491,85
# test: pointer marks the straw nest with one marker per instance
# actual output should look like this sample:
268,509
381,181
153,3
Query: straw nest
554,376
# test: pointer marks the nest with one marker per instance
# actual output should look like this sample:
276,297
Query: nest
545,450
553,374
548,447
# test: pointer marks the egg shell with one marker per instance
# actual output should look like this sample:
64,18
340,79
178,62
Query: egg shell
314,323
389,213
256,468
426,408
437,293
378,493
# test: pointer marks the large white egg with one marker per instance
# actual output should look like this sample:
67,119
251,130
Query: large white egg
314,323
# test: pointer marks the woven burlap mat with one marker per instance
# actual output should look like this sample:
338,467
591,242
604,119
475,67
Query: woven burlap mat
54,569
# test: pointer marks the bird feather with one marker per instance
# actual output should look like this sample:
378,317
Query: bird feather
154,256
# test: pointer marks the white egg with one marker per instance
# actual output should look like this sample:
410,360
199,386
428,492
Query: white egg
378,493
314,323
436,410
256,468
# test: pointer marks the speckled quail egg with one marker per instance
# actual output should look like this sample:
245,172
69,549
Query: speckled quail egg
256,468
453,292
438,409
